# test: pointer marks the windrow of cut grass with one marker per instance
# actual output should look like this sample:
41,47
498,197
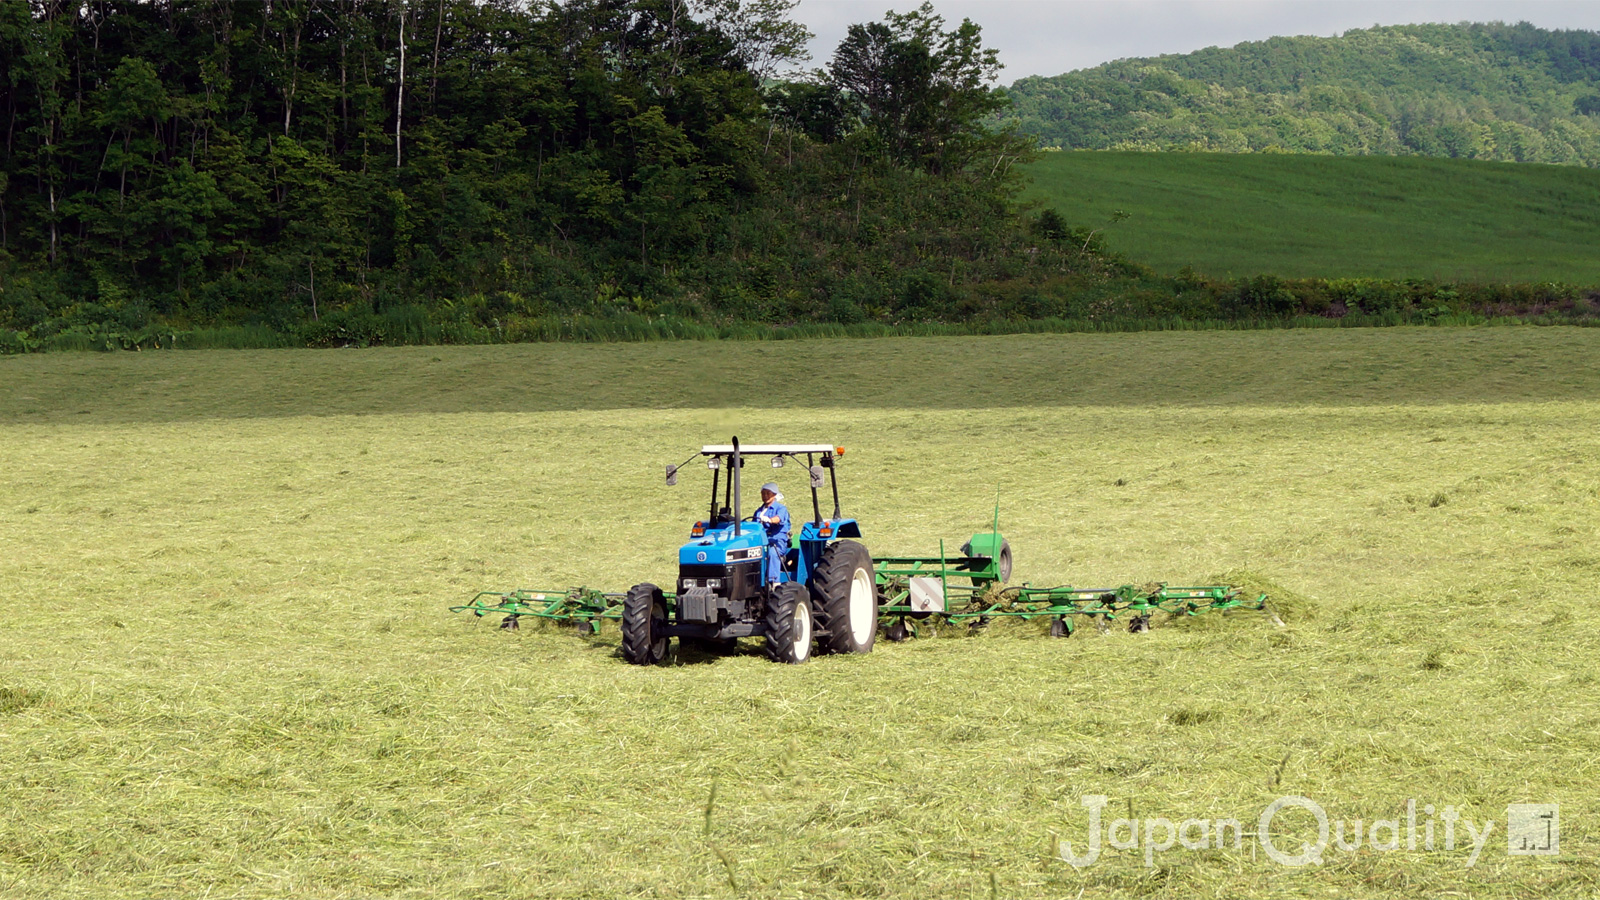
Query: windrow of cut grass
228,668
1300,216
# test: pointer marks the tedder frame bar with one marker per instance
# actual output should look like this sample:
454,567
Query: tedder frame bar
915,589
584,607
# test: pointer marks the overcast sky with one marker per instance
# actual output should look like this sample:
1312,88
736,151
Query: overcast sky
1048,37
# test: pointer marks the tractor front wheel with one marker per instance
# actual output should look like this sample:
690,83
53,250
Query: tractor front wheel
847,599
788,623
644,625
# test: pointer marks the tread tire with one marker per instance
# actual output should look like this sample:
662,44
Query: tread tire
644,615
789,624
844,570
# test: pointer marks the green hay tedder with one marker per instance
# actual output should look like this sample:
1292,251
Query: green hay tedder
827,591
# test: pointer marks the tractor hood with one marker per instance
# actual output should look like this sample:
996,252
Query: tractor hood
720,546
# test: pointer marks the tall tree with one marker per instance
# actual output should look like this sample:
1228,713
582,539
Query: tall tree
926,92
762,32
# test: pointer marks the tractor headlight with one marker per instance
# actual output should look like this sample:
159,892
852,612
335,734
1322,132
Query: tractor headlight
777,462
714,463
713,582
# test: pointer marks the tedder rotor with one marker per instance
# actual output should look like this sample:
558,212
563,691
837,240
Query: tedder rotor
823,588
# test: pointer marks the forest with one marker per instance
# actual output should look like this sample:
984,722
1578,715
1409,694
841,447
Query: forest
354,172
457,166
1492,91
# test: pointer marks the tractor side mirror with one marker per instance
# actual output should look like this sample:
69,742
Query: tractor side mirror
816,476
672,475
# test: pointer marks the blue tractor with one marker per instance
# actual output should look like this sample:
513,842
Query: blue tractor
825,593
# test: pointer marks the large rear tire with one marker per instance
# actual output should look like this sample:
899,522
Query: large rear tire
846,598
644,625
788,623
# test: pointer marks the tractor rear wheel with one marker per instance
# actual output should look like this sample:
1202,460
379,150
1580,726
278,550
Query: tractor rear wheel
788,623
846,595
644,625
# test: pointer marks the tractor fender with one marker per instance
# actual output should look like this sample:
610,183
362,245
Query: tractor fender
830,530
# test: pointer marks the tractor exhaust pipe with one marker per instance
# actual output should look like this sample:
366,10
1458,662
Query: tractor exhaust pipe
738,463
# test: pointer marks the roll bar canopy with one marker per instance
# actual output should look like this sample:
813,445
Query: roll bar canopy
770,449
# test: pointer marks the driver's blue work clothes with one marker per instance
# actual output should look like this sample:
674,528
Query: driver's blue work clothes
777,537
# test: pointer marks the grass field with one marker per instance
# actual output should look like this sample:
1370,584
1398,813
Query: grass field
1334,217
227,670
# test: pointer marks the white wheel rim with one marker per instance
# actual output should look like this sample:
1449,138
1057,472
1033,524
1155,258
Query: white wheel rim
658,645
802,632
863,599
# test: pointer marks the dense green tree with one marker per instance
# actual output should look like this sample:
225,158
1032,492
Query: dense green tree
925,92
318,166
1504,92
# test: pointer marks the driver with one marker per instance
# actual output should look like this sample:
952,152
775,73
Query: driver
774,516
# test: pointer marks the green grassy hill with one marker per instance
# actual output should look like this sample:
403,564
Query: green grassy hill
1481,91
1324,216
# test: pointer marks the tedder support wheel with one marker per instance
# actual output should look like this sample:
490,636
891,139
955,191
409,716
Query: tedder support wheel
644,623
846,598
1002,565
1060,627
898,631
789,623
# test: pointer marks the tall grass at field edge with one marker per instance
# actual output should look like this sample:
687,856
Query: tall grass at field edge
636,329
